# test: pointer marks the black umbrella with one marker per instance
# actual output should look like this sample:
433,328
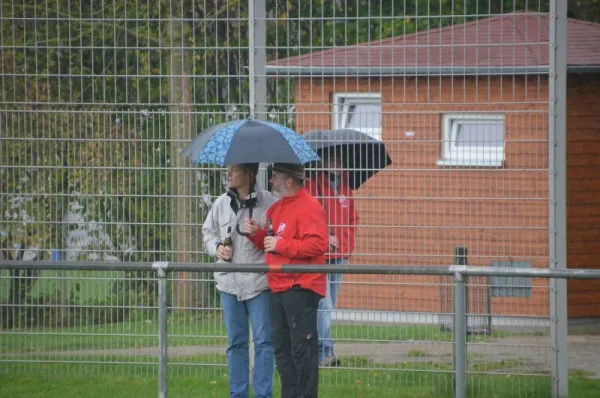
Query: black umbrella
362,155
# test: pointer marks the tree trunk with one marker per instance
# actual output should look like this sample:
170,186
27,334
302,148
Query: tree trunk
187,291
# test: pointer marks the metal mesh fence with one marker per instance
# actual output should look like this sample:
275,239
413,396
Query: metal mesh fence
110,326
99,98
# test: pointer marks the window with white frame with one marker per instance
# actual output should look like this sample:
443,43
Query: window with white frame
472,139
358,111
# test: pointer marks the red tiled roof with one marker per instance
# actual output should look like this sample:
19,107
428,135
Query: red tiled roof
509,40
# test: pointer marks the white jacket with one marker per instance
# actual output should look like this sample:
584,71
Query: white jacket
243,285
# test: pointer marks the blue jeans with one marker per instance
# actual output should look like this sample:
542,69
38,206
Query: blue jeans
326,306
236,314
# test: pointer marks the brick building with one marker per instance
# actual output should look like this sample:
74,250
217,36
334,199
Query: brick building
463,110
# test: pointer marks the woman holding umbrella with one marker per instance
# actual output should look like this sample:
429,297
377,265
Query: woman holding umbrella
244,296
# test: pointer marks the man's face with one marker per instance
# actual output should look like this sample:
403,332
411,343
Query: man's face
237,177
331,162
278,181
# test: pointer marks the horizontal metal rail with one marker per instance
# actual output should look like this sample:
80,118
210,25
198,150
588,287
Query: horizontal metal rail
344,269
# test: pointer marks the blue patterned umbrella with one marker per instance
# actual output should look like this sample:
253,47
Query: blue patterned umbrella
249,141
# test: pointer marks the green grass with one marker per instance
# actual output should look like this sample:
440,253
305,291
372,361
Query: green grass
580,374
416,353
507,364
187,331
61,380
134,334
383,333
186,386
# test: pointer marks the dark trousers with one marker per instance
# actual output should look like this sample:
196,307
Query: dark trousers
295,341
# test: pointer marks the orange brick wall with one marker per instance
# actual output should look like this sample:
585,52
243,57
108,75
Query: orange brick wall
415,213
583,190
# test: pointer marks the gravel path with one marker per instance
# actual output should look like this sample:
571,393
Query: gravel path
517,354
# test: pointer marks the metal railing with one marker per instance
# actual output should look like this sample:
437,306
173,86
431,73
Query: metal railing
459,273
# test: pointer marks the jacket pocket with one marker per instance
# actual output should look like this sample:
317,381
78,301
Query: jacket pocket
305,325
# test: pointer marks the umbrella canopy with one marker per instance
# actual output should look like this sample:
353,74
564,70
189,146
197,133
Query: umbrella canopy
249,141
362,155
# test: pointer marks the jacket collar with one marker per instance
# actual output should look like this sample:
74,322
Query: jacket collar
302,192
323,182
237,203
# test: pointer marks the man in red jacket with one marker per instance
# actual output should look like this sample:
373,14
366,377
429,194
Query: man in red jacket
330,186
301,237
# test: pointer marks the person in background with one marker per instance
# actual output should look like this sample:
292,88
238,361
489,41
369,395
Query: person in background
244,296
299,232
330,186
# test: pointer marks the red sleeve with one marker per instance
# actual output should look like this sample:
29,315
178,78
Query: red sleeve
314,239
258,239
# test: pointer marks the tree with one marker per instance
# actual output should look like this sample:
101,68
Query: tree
86,159
587,10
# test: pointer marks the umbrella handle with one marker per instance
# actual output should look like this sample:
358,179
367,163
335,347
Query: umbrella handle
237,227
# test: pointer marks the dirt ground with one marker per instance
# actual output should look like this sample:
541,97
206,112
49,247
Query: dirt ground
515,354
509,354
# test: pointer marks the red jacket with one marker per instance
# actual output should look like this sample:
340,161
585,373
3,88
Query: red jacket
340,211
300,222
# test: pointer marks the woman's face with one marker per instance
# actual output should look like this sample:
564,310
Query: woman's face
237,177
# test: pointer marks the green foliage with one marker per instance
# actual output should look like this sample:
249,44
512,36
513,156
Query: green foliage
48,311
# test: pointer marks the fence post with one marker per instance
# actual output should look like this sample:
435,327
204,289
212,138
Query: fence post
257,48
460,332
460,257
557,191
162,327
257,43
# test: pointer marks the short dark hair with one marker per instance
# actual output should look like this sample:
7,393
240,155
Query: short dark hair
250,168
